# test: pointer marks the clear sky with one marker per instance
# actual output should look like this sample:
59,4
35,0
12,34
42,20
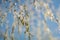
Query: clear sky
52,25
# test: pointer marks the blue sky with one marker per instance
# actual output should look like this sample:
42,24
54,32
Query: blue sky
52,25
